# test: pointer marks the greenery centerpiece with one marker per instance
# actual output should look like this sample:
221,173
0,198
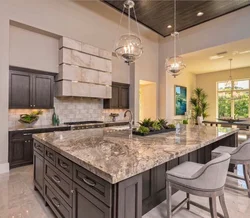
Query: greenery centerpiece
30,119
149,127
199,104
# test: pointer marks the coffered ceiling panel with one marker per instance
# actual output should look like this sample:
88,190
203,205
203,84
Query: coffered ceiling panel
158,14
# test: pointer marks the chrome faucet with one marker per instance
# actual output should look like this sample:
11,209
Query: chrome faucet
131,118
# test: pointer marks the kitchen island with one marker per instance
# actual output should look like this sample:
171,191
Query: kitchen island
100,173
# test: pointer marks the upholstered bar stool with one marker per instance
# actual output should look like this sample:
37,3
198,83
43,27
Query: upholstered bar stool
202,180
240,155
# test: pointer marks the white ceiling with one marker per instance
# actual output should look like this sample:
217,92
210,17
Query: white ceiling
199,62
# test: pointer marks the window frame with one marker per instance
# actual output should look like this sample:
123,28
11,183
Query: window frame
231,91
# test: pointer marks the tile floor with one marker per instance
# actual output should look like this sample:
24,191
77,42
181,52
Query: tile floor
19,200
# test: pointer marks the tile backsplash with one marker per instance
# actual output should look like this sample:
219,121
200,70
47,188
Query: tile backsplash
69,109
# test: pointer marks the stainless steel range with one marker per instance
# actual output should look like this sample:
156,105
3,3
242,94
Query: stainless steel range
85,125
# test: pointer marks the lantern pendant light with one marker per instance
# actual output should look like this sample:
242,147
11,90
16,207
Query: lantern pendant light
229,84
129,46
174,65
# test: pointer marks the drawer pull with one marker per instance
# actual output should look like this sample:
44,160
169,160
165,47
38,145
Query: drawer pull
56,202
50,155
89,182
56,179
27,134
63,165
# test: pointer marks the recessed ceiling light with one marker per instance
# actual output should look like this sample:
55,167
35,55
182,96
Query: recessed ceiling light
199,14
244,52
215,57
169,26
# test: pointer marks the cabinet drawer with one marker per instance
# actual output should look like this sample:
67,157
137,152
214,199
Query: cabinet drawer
93,184
87,206
61,183
50,156
39,148
56,202
64,165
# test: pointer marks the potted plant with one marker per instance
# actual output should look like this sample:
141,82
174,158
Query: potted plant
199,105
149,127
30,119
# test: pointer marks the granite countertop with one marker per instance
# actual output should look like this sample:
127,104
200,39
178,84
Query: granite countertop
243,122
22,128
118,155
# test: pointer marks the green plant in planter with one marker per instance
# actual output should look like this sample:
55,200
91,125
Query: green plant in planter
199,103
30,118
143,129
163,123
156,126
147,122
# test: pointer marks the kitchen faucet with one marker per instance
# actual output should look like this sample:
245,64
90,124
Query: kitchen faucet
131,118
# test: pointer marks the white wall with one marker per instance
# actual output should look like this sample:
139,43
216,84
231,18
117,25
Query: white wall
92,22
225,29
208,82
4,81
33,50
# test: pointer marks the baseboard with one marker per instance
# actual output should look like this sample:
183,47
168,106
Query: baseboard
4,168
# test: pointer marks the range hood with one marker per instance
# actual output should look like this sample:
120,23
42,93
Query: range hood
84,70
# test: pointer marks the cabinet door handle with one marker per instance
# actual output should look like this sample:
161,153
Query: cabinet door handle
89,182
25,134
63,165
50,155
56,202
56,179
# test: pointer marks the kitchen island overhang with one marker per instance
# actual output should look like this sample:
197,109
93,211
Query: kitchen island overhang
127,165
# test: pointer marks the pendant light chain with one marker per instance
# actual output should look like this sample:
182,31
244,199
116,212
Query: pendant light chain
129,21
139,33
119,27
174,30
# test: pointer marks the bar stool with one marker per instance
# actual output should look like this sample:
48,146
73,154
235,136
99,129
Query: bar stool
240,155
202,180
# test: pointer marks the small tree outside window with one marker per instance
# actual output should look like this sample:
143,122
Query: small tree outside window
233,102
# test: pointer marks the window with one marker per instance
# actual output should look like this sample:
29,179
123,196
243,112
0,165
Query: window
233,102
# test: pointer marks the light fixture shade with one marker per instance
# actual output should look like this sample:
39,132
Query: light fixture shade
129,48
174,66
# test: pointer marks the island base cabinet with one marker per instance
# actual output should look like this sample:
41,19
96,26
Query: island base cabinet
56,202
87,206
38,172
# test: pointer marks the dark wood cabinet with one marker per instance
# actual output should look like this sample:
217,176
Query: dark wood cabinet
30,89
43,91
39,172
21,152
86,205
120,97
21,145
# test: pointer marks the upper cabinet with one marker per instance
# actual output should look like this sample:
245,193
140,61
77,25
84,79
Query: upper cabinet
120,97
30,89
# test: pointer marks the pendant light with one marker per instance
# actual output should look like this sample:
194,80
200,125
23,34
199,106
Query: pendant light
229,84
174,65
129,46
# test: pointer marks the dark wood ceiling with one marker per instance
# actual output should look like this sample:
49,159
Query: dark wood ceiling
158,14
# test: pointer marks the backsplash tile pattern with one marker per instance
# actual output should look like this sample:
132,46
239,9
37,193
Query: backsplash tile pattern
69,109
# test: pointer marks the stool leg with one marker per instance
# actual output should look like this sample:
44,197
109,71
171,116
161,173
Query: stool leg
169,203
212,204
246,176
223,206
188,203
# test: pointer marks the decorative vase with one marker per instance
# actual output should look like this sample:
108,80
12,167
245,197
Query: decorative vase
199,120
